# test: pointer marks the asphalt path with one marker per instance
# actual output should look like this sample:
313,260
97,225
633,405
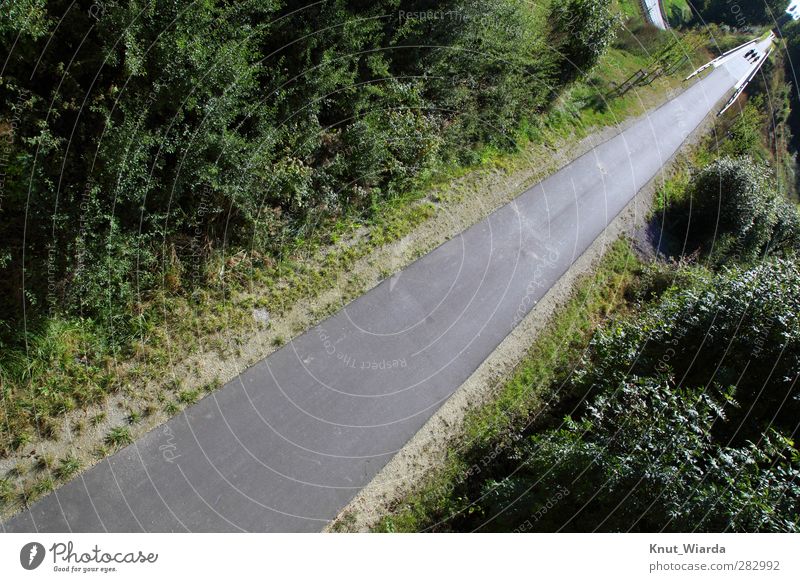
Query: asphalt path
284,446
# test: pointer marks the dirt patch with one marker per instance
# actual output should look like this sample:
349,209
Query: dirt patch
651,242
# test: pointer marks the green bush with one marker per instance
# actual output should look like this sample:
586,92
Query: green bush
179,128
642,459
582,30
741,14
738,329
147,139
736,213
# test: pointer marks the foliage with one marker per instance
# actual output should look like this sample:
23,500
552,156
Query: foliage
119,436
740,14
583,30
63,367
681,423
145,142
738,328
642,459
689,408
746,132
677,11
735,212
149,134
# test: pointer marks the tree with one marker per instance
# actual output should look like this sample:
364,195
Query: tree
736,214
151,133
582,30
740,14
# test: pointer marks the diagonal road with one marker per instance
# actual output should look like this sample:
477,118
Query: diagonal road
289,442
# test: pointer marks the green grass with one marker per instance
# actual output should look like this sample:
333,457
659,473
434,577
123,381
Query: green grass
536,379
39,488
188,397
118,437
7,491
68,468
629,9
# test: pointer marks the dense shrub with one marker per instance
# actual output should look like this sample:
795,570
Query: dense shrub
738,329
642,459
143,135
740,14
144,142
582,31
736,214
684,423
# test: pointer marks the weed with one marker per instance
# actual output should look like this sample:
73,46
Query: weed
188,397
35,490
213,385
20,439
17,470
118,436
7,491
174,384
44,462
67,468
78,427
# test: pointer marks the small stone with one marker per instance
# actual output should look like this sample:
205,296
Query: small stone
261,315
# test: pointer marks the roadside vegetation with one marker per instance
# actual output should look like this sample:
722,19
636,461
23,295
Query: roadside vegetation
738,15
